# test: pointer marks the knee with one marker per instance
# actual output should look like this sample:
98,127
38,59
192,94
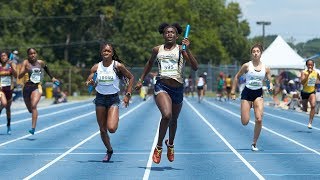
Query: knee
103,132
167,116
112,129
245,120
173,122
33,107
258,120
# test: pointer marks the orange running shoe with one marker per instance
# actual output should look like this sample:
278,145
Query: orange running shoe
170,151
157,155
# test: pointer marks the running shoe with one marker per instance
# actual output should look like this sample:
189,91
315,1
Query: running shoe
8,130
108,156
31,131
170,151
254,147
309,126
157,155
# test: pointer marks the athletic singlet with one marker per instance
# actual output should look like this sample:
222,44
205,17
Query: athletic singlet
200,81
309,86
228,82
5,75
35,73
254,79
107,79
170,64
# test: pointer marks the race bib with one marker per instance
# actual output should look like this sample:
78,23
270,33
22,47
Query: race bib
105,78
169,67
311,81
5,80
35,75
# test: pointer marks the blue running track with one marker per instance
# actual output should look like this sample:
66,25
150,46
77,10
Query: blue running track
211,143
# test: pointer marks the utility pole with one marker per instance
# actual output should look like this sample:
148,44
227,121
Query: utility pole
263,23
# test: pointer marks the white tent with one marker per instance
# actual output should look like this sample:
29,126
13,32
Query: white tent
279,55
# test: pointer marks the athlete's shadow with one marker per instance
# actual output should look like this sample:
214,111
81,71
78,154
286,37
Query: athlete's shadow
303,131
96,161
29,139
2,134
164,168
250,150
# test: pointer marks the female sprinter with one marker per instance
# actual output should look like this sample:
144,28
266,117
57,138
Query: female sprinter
168,89
252,95
32,89
109,73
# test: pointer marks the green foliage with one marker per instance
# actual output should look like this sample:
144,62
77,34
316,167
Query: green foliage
70,31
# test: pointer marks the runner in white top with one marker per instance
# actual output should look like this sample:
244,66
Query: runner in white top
169,86
201,82
109,72
7,72
252,95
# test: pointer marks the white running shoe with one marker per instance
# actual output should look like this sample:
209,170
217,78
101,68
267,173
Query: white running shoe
254,147
309,126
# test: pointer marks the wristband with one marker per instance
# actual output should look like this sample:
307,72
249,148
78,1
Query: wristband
128,94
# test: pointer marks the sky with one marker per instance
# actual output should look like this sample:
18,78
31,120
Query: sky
295,20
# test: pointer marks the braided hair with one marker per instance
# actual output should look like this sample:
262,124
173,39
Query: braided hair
164,26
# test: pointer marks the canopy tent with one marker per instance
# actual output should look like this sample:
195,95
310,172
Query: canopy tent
279,55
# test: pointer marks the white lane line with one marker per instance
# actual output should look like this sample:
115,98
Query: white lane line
76,146
144,153
252,169
149,163
267,129
41,108
283,118
45,129
49,114
290,120
60,157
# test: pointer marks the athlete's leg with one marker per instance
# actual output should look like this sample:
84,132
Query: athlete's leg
312,101
176,108
102,118
164,104
113,119
258,112
305,105
3,99
35,98
245,111
8,111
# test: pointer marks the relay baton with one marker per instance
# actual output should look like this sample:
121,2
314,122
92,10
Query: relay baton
90,88
186,34
11,56
57,83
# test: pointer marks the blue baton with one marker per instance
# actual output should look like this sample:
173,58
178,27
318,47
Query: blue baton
186,34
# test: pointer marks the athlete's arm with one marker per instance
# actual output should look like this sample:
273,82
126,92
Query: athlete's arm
14,68
23,69
242,70
90,77
147,67
128,75
268,74
188,55
304,77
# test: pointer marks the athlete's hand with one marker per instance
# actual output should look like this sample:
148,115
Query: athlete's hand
126,100
90,82
138,86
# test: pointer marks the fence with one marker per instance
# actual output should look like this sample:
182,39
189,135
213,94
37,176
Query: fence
73,79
